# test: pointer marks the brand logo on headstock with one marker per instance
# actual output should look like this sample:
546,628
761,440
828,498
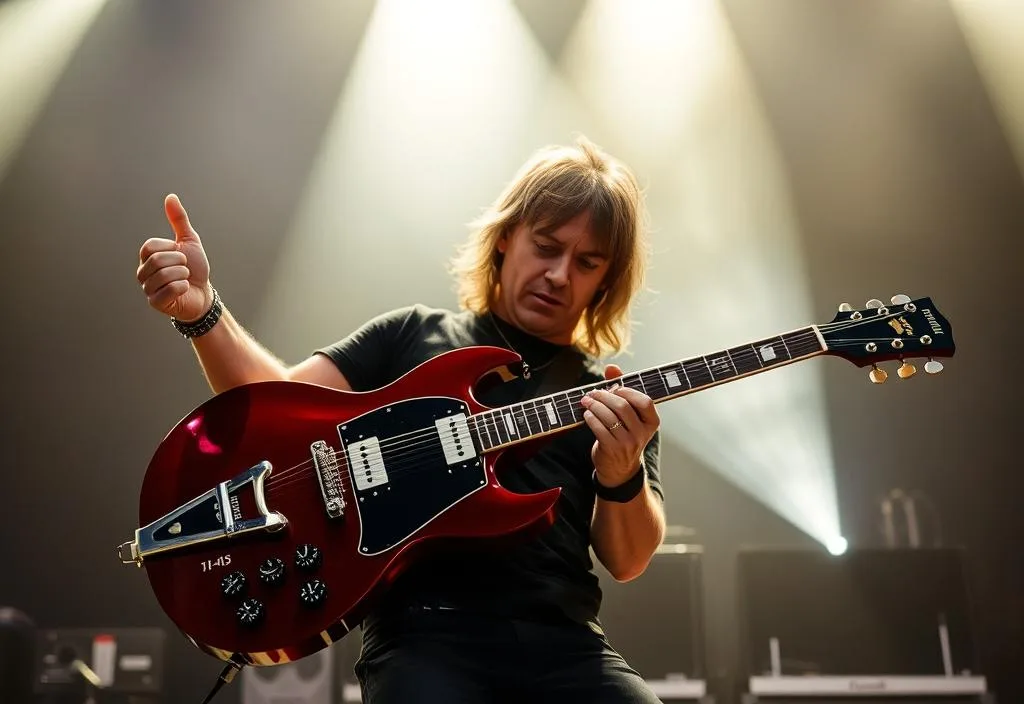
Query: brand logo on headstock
901,326
936,328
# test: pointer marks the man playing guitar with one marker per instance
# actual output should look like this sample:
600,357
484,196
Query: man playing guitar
549,272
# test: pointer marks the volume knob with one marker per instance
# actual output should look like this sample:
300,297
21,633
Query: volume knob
307,557
233,584
272,571
250,612
313,593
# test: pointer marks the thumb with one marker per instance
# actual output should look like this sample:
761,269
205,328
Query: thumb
612,371
178,219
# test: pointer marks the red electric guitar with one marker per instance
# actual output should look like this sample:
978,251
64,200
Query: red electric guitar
273,513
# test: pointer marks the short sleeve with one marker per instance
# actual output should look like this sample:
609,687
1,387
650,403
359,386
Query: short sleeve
368,356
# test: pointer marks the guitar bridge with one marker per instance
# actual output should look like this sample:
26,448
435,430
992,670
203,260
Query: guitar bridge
325,460
214,515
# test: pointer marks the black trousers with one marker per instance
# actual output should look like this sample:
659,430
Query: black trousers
428,655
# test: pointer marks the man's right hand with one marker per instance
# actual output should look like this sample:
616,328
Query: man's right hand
175,274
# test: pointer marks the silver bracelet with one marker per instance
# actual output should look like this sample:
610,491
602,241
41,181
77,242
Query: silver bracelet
203,325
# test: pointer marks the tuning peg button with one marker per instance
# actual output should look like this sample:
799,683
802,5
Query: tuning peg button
900,299
845,307
873,303
906,370
932,366
877,375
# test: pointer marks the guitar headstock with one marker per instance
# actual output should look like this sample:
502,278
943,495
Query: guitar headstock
878,333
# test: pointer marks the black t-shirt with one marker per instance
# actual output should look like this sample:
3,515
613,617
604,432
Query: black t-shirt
551,573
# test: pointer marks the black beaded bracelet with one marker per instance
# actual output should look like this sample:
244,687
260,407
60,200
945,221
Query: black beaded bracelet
623,493
203,325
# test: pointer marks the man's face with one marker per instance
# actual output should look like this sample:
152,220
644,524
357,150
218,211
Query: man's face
548,277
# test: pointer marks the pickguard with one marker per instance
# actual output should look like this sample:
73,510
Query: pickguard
406,465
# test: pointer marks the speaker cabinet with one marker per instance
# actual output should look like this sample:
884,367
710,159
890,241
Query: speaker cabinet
656,621
899,612
306,681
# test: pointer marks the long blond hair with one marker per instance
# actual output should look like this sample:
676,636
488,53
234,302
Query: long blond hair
552,187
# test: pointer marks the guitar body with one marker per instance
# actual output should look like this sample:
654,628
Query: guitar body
408,482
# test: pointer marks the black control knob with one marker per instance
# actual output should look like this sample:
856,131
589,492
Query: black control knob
313,593
272,571
250,612
233,585
307,557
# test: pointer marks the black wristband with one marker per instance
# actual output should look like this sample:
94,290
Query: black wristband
623,493
204,324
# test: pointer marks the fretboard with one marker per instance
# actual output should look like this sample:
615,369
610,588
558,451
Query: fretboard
519,422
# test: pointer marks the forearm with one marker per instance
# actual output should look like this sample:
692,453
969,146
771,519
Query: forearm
230,356
625,535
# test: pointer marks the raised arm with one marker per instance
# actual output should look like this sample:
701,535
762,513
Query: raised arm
175,276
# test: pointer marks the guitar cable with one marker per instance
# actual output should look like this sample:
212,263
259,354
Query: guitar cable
226,675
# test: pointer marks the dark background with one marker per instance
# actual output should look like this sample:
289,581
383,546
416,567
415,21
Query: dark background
225,103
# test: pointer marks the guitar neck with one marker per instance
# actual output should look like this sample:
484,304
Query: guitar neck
519,422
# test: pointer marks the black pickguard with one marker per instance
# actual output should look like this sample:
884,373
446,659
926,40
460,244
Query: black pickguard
420,483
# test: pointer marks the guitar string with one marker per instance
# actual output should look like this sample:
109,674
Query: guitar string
561,401
396,465
565,402
400,447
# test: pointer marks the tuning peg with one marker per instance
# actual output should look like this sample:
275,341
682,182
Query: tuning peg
845,307
906,370
932,366
900,299
877,375
873,303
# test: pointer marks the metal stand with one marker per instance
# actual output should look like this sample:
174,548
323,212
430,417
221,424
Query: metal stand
945,688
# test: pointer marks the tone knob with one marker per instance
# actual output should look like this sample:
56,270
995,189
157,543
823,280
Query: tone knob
307,557
250,612
313,593
233,585
272,571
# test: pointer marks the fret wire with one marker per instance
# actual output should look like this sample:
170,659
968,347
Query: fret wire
482,436
757,355
525,422
499,424
783,339
528,411
728,356
572,410
492,427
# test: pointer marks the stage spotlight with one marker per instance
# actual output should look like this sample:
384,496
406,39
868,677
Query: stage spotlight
38,38
837,545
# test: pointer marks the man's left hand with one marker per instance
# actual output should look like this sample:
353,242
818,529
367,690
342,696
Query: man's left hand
623,420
